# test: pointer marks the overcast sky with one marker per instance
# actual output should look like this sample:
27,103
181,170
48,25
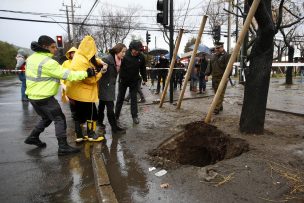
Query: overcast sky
22,33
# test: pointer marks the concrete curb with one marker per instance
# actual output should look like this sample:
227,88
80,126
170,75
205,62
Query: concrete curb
104,189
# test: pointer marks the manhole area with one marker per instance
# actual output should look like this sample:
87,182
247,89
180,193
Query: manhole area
199,144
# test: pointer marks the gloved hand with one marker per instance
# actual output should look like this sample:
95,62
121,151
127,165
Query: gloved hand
104,68
98,68
91,72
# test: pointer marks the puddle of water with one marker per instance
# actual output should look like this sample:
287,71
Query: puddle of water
127,178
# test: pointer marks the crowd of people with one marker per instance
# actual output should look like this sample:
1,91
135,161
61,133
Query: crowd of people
87,79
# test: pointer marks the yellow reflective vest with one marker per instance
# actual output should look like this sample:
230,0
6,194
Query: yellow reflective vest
43,75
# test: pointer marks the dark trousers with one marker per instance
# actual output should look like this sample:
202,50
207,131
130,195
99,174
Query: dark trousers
84,111
110,112
215,85
162,75
141,94
122,88
49,110
202,82
23,85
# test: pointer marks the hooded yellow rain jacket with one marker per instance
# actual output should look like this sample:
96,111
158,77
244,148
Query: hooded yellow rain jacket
87,89
66,64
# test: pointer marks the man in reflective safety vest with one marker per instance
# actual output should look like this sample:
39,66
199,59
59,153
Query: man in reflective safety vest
43,75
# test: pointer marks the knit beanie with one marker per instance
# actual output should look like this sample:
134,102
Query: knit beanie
45,40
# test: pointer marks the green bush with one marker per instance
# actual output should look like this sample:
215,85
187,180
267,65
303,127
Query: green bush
7,55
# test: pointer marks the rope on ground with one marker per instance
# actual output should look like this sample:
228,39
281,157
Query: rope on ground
225,179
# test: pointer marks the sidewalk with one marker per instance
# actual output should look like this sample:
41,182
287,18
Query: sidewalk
125,157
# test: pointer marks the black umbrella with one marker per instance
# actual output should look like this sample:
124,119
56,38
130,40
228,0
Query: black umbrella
158,51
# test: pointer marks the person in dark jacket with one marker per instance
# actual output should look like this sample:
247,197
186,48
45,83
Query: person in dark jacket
132,64
107,86
201,75
216,67
162,72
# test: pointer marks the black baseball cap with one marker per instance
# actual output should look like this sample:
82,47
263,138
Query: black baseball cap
136,44
218,44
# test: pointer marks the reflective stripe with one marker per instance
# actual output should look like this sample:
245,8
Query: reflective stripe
39,72
66,74
41,79
40,66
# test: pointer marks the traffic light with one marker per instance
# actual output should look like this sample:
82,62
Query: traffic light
148,37
217,33
162,17
59,41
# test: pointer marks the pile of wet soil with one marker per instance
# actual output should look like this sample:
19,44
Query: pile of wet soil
199,144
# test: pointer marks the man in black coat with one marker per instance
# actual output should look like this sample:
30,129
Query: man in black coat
162,72
132,64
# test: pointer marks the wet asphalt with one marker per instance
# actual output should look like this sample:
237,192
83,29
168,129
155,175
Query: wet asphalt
28,174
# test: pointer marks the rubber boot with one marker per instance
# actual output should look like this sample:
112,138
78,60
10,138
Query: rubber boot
115,128
65,148
91,128
33,139
78,132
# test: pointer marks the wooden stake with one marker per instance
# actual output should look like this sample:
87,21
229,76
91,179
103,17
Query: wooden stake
232,59
179,38
197,41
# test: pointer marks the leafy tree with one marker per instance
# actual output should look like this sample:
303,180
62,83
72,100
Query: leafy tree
7,56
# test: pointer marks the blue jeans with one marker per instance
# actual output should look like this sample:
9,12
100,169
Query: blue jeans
23,85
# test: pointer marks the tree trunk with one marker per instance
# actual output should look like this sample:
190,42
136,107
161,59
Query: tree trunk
258,77
289,68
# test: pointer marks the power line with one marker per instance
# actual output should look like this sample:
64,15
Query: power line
63,16
142,28
89,12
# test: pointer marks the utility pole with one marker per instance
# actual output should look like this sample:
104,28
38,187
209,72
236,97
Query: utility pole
171,47
72,6
73,20
68,20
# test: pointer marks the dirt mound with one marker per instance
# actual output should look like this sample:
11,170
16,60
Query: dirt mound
199,144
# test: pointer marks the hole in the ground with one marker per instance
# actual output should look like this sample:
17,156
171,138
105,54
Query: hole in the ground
199,144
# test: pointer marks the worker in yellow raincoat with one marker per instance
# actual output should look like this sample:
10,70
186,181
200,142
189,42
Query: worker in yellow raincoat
66,64
83,94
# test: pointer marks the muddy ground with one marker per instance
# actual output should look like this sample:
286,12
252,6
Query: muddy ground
270,169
